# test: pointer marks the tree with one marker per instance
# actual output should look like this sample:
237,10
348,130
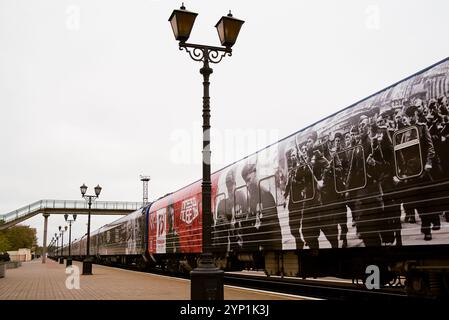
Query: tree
20,237
4,243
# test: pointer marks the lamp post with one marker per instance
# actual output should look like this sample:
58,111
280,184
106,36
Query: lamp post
50,248
57,247
66,217
62,230
206,279
87,263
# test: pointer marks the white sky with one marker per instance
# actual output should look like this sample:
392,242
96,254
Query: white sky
97,92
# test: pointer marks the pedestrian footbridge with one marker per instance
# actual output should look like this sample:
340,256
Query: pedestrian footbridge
47,207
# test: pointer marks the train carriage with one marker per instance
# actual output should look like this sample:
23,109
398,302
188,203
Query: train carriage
368,185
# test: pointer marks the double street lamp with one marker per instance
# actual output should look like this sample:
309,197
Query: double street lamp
62,230
87,263
66,217
207,280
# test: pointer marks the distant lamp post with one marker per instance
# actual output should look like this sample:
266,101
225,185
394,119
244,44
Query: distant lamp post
87,263
62,230
207,280
66,217
51,247
57,247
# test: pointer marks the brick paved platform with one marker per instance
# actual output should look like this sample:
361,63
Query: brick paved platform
37,281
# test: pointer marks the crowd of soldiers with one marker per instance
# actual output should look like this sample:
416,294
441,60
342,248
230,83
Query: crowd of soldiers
360,170
247,219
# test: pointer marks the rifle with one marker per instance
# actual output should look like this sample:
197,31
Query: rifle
301,155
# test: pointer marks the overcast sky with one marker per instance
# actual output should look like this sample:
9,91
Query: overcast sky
97,91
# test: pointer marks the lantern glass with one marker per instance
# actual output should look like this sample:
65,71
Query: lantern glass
182,23
228,29
83,189
97,190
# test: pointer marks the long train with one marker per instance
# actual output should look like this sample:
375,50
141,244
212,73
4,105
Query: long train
365,186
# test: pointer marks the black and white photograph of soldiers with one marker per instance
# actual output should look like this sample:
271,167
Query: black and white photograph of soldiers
344,179
230,214
371,175
246,211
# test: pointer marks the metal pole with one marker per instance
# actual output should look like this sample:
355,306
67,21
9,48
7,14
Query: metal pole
69,258
70,238
44,249
88,230
61,259
206,71
87,263
206,279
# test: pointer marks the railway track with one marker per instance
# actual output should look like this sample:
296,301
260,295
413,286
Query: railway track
334,289
339,290
324,289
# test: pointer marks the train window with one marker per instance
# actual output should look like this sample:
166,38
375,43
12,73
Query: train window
268,184
220,205
407,153
241,205
352,173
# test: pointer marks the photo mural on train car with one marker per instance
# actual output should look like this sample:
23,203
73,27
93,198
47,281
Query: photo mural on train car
152,231
188,222
246,212
134,226
373,174
172,237
161,230
348,175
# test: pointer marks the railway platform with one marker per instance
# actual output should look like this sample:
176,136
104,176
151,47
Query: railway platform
37,281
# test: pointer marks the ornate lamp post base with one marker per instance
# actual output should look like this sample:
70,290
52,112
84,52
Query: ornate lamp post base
87,266
69,261
206,280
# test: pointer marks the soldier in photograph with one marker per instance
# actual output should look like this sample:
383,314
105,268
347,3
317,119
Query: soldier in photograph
315,219
231,216
265,228
383,155
353,172
411,162
333,185
294,192
363,179
172,245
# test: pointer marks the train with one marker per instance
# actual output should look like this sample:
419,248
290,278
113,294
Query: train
366,186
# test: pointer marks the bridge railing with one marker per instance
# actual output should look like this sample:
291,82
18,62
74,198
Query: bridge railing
69,204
